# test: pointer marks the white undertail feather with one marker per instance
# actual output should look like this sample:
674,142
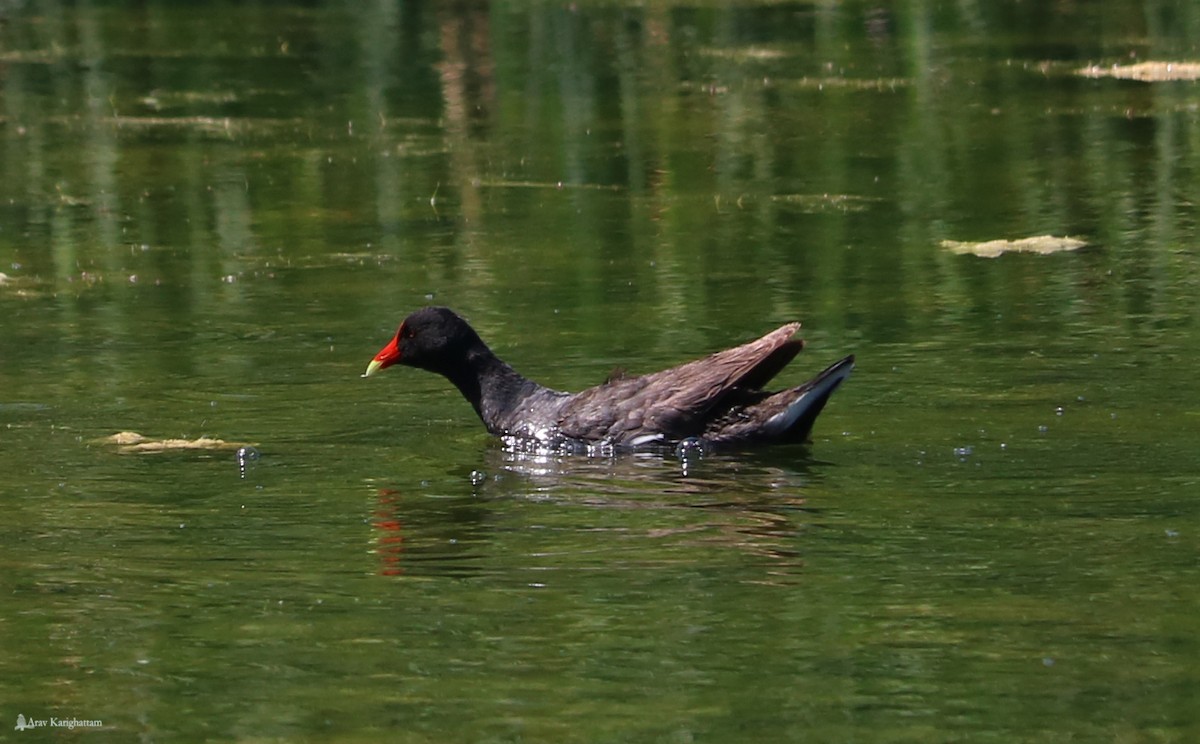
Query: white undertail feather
644,440
787,418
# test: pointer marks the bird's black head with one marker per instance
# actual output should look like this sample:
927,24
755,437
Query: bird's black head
432,338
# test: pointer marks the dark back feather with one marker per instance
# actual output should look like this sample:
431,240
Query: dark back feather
677,401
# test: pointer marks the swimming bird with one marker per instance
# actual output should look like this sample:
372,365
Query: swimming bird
718,399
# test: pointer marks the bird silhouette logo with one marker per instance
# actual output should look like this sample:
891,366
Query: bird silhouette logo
21,725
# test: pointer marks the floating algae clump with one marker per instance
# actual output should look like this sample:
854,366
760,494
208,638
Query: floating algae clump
1041,244
132,442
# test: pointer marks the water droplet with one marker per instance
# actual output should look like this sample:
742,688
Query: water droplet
692,448
1172,533
1047,661
1003,446
245,455
248,453
964,452
1043,428
1058,411
478,477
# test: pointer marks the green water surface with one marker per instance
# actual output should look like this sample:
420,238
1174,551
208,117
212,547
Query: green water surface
212,215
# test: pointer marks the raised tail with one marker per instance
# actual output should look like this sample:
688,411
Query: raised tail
795,421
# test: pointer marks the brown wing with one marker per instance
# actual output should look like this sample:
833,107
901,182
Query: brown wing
677,401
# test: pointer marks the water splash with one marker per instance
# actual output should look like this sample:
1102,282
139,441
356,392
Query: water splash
691,448
246,455
690,451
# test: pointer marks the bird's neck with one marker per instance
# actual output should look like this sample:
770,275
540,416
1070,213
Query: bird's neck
491,386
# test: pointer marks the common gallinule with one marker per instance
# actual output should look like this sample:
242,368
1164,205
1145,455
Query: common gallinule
718,399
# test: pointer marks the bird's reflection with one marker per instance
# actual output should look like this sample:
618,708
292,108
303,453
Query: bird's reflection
389,537
498,515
